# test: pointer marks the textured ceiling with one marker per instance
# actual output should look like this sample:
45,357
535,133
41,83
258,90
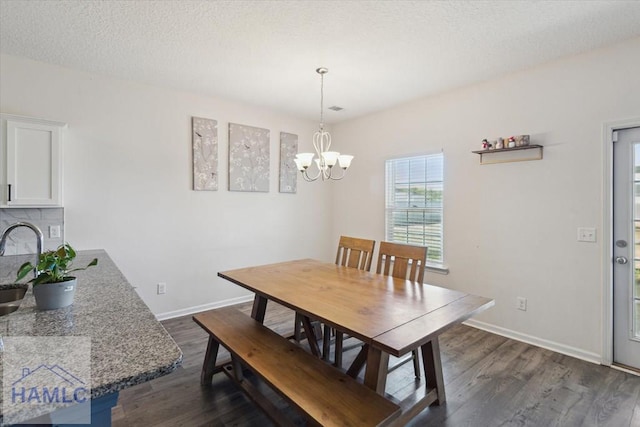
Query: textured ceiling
379,53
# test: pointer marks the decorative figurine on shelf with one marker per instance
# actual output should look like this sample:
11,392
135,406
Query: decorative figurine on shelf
499,144
486,144
519,141
512,142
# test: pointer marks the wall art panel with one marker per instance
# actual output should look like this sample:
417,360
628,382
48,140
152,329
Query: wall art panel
288,170
205,154
248,158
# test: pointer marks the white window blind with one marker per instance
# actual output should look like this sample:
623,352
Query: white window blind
414,193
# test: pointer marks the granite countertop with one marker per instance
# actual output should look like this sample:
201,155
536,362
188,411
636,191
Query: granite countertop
128,345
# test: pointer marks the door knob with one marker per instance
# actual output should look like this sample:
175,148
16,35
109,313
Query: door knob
621,260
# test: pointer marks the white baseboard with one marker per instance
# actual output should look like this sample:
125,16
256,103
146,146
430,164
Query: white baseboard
538,342
508,333
203,307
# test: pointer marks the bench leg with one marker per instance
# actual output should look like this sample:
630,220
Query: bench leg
259,308
237,368
433,369
209,364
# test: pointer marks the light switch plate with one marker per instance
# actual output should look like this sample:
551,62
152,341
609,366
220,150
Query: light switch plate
586,234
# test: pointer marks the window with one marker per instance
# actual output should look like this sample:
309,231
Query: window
414,190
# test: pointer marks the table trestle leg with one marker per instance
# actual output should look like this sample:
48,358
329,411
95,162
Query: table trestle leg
375,376
358,363
311,336
433,369
326,342
259,308
338,349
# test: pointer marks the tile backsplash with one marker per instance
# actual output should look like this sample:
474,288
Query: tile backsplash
22,240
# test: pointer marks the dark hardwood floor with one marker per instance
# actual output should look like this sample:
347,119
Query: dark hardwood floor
490,381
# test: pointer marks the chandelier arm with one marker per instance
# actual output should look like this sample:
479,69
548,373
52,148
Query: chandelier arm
305,175
321,141
317,144
344,173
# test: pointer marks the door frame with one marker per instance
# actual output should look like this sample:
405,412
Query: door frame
607,234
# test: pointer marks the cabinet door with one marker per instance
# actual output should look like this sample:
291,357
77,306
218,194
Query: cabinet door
33,164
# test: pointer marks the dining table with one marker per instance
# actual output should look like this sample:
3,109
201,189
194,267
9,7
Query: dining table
391,316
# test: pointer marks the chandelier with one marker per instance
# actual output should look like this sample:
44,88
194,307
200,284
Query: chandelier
326,160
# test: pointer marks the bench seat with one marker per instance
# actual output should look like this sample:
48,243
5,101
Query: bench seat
325,395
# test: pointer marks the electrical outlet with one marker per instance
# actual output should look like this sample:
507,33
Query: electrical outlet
162,288
54,231
521,303
586,234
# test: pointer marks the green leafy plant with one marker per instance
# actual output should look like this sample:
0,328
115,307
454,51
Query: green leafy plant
53,266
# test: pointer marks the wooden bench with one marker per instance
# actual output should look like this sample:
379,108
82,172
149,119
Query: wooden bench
325,395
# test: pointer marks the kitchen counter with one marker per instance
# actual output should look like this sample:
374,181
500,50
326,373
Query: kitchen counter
128,345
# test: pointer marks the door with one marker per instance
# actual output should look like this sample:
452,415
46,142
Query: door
626,248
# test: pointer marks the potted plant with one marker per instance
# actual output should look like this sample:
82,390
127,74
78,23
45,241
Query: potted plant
53,287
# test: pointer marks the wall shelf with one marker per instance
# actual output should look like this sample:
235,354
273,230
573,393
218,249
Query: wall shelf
506,155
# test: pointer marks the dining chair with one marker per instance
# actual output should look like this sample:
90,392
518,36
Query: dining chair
355,253
403,262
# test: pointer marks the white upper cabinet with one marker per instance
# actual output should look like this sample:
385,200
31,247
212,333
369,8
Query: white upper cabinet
31,163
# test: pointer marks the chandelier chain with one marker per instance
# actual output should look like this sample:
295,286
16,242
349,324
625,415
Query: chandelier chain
321,101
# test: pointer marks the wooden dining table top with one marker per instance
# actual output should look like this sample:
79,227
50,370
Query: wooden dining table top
392,314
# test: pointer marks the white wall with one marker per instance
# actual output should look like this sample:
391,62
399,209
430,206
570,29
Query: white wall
510,229
127,184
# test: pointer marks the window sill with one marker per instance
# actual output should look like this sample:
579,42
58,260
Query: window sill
438,269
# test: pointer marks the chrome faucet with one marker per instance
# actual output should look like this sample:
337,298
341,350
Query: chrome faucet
39,238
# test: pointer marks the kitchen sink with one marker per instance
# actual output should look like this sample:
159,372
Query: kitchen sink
9,308
10,299
14,294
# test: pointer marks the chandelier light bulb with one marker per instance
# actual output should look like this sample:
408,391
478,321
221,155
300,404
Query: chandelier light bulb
330,157
345,160
305,160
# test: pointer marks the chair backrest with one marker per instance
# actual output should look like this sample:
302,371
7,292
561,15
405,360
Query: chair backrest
355,253
408,261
